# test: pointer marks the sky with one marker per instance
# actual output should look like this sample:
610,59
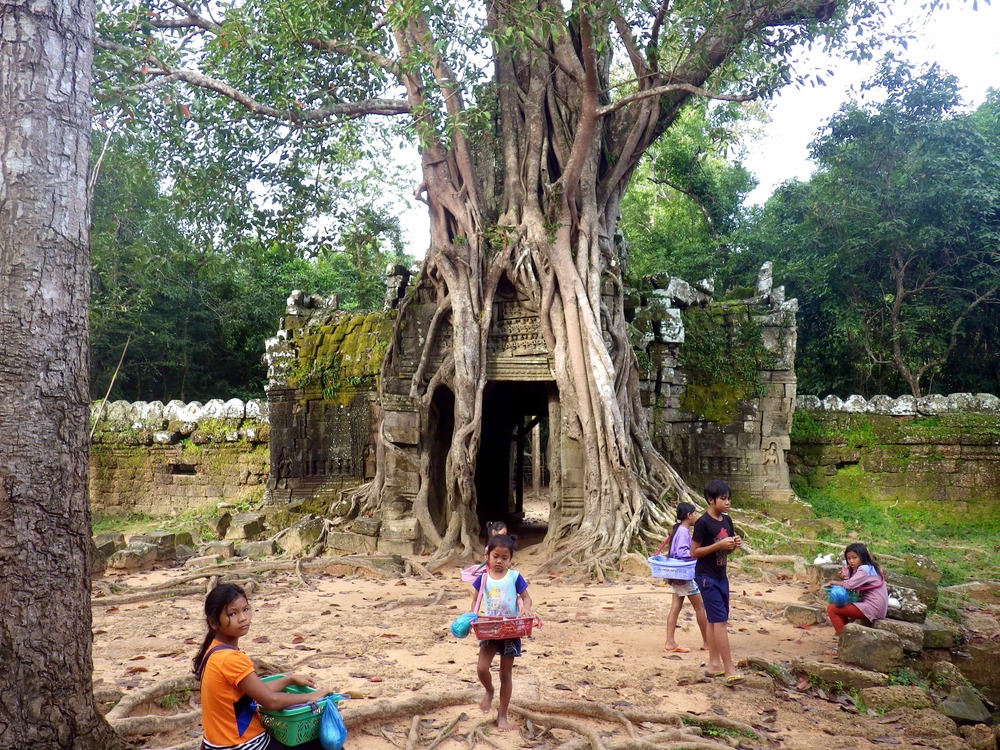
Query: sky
965,42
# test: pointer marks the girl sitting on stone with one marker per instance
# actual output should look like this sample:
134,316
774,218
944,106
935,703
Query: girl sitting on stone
863,575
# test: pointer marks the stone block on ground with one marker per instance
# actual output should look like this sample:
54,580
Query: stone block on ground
221,524
895,696
401,530
946,675
921,566
924,723
137,556
345,541
164,541
940,632
106,549
299,538
833,674
247,526
905,605
825,572
224,549
910,633
877,650
204,561
979,737
633,564
802,615
115,538
964,706
398,547
926,591
366,526
264,548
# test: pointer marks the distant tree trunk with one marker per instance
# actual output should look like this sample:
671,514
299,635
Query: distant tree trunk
45,629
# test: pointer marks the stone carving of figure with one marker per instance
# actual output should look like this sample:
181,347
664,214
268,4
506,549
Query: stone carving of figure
771,454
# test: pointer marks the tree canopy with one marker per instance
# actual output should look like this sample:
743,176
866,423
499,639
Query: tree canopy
892,247
194,308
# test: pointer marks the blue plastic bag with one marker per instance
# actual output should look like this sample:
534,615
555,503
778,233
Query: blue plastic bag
332,731
837,596
460,625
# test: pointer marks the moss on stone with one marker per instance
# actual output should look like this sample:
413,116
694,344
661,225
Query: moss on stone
341,355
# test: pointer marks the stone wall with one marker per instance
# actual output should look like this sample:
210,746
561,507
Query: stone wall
156,458
937,449
706,427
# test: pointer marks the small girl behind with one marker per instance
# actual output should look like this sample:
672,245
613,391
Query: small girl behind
231,691
861,574
504,594
680,549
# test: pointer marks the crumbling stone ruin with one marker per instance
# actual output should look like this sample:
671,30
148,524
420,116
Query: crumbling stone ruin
324,364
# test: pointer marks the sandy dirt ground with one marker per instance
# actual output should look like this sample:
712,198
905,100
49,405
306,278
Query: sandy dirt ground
601,645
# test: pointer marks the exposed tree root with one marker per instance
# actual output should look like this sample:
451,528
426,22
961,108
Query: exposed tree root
413,601
175,588
129,726
553,721
160,689
420,569
413,739
145,596
408,706
444,733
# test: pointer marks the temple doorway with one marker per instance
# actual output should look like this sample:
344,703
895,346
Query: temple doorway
513,448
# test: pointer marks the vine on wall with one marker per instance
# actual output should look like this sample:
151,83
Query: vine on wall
723,355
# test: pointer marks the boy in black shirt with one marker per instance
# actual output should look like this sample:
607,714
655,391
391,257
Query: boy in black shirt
712,540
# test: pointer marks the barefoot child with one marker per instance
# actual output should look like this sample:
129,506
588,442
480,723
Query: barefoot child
505,594
231,691
861,574
712,540
680,549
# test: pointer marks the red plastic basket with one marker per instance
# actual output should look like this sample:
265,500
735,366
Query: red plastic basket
502,628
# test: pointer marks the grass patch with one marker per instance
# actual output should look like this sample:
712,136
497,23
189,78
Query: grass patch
197,521
964,547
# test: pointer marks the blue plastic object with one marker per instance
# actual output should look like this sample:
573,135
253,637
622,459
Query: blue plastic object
837,596
332,731
461,625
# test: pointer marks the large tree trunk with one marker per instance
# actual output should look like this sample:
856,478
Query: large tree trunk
543,214
45,629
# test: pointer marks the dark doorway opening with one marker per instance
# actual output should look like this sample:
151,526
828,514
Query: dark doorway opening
512,448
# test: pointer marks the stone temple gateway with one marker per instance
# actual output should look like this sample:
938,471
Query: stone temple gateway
324,365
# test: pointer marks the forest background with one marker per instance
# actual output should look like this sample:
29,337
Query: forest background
201,230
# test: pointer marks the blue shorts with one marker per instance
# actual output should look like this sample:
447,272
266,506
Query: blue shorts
504,647
715,594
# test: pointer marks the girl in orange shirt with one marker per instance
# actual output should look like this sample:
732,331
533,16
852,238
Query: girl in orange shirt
231,691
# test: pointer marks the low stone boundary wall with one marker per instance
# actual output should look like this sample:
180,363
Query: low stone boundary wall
942,450
160,458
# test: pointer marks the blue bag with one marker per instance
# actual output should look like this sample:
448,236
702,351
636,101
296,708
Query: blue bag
332,731
460,625
837,596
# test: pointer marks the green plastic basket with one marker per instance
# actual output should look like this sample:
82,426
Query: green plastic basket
294,726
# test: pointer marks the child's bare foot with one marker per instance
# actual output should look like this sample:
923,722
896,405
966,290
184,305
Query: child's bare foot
487,702
503,723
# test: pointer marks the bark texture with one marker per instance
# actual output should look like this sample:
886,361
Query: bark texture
45,631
